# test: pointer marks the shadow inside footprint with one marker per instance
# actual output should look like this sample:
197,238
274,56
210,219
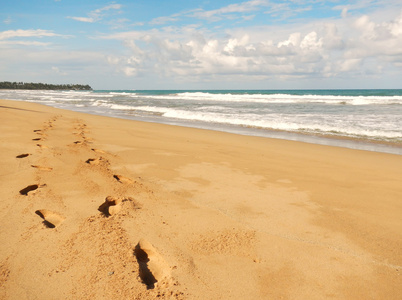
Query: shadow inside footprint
97,161
111,206
153,268
28,189
145,273
93,161
42,168
31,188
46,223
23,155
98,150
51,219
123,179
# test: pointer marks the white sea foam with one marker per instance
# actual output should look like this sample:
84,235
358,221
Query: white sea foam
121,107
278,98
373,117
303,123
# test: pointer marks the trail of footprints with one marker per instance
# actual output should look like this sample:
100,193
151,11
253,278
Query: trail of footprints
153,269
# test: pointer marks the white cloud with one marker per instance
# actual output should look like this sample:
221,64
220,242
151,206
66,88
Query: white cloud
129,71
286,10
237,8
366,27
248,18
163,20
24,43
350,64
311,42
97,14
232,11
26,33
320,49
12,38
354,46
395,28
215,15
294,39
84,19
108,7
122,23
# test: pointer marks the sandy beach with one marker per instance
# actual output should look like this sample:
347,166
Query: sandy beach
95,207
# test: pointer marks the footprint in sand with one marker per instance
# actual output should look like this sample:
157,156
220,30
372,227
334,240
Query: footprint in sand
97,161
84,142
153,268
111,206
42,146
40,132
88,140
23,155
93,161
81,129
31,189
81,133
98,151
80,126
42,168
51,218
123,179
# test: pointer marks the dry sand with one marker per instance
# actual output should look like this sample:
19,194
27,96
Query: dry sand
101,208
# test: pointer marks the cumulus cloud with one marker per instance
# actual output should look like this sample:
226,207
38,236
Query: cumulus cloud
97,14
354,46
327,49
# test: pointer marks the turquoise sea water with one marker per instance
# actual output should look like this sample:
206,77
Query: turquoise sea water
363,119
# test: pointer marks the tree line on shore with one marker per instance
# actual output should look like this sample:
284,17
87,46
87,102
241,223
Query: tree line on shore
42,86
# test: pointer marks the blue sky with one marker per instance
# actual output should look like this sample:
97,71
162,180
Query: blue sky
257,44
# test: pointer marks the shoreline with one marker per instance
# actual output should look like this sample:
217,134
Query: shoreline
316,139
356,143
365,120
218,215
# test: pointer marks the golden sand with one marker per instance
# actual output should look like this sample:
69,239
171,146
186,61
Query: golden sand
142,210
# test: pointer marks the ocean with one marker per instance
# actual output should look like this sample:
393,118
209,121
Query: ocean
359,119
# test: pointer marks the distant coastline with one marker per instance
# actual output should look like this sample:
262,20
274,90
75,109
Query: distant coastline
6,85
